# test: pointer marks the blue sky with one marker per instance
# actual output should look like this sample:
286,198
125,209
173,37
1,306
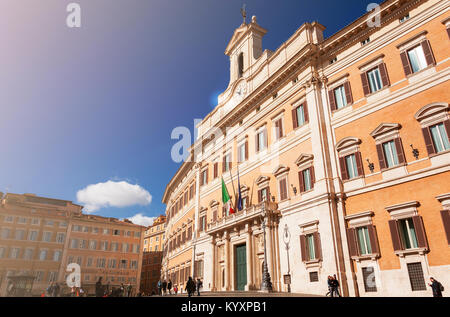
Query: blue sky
82,106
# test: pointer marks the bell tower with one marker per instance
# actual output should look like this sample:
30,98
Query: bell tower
245,47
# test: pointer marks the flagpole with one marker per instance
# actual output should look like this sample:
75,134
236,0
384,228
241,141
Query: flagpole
234,191
251,194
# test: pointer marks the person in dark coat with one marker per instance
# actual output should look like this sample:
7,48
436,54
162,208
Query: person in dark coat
335,287
330,285
99,288
169,286
199,284
164,287
190,287
436,287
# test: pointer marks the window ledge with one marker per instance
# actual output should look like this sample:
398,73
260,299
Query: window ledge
313,263
421,74
353,179
359,258
403,253
439,153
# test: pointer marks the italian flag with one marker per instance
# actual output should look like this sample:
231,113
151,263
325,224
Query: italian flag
226,198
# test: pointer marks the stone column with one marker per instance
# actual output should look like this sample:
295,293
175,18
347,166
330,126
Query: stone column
214,268
269,248
249,250
196,216
227,260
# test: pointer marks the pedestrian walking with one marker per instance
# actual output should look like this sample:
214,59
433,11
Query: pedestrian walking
436,287
159,287
169,286
199,284
56,290
330,285
190,287
99,288
129,289
164,286
175,290
335,287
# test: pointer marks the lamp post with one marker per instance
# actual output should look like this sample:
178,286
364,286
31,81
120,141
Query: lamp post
286,239
266,285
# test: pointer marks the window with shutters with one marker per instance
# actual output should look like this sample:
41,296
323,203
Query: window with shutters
417,59
263,194
310,250
434,120
226,163
282,185
361,236
261,139
310,245
407,228
416,54
363,241
390,154
281,173
204,177
389,145
446,22
202,223
340,93
374,76
243,152
215,170
185,200
439,137
306,178
300,115
444,199
277,126
407,233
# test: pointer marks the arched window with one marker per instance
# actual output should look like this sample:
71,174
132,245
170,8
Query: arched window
240,65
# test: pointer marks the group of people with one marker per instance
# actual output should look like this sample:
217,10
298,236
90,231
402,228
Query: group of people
106,291
333,286
165,288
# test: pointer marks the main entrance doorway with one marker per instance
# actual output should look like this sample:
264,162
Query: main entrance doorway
241,267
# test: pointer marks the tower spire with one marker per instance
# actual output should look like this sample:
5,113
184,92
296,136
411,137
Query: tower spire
244,13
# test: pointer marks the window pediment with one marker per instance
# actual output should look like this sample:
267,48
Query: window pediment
431,110
261,180
347,142
304,158
280,170
384,129
244,188
214,203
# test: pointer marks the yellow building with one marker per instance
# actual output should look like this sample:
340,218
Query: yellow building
40,237
347,141
153,250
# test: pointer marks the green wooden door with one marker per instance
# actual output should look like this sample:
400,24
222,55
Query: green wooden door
241,267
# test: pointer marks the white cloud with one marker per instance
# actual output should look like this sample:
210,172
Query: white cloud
112,194
140,219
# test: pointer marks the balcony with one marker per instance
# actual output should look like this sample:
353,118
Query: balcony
250,213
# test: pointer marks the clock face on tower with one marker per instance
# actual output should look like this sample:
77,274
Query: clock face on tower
240,92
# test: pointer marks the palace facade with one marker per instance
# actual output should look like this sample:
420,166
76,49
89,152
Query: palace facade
154,237
342,147
40,237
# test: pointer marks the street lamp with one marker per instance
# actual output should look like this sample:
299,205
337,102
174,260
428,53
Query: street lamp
286,239
266,285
